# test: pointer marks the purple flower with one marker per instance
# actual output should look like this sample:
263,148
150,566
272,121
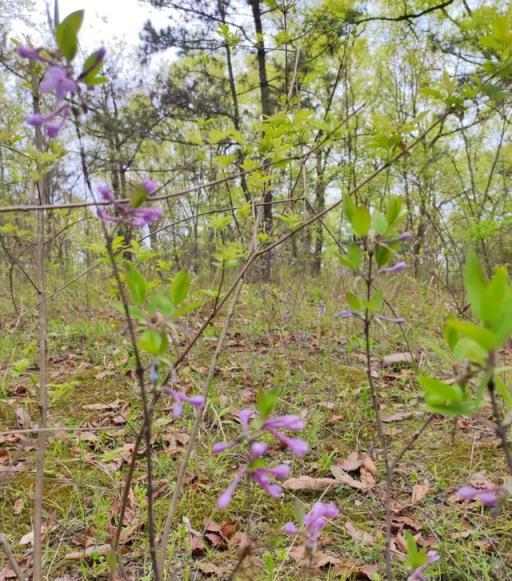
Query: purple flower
261,477
417,574
398,320
405,237
219,447
398,267
487,496
314,522
257,450
346,314
99,57
256,469
56,80
245,416
180,398
52,129
27,52
149,185
295,445
290,422
226,497
281,471
136,217
290,529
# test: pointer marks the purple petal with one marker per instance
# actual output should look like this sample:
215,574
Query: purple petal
222,446
27,53
149,185
36,119
398,267
258,449
245,415
226,497
433,556
106,217
487,497
197,401
289,422
290,529
467,492
53,130
405,236
281,472
106,193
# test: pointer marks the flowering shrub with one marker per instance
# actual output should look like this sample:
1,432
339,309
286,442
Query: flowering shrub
131,214
314,522
59,77
254,426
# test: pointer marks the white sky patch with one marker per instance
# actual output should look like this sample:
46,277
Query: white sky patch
108,23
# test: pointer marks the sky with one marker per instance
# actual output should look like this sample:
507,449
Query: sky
106,21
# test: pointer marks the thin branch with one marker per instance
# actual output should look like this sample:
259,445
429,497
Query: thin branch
406,16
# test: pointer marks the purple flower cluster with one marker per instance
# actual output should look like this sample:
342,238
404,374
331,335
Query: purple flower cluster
417,574
487,496
393,269
180,398
255,469
127,214
57,79
314,522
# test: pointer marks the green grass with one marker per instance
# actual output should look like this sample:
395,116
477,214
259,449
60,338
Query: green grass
275,341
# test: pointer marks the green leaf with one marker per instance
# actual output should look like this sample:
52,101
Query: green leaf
354,257
376,302
383,255
161,303
138,196
415,557
154,342
349,207
379,222
354,302
266,401
394,209
467,348
475,283
437,392
189,308
180,287
484,337
66,34
505,393
136,283
450,333
361,221
494,297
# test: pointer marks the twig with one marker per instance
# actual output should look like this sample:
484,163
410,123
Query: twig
377,410
43,362
197,421
10,557
139,368
501,429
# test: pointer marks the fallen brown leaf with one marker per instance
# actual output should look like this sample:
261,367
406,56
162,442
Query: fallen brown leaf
309,483
360,536
398,417
210,569
88,552
419,491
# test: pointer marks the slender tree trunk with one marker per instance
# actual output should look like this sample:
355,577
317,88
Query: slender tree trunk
43,371
266,110
320,206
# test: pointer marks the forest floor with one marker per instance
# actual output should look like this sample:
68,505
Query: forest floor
286,339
